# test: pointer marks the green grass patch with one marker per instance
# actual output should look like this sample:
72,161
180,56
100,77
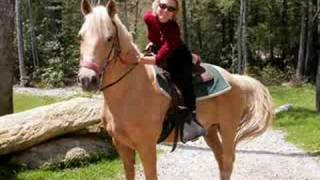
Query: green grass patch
103,169
23,102
302,124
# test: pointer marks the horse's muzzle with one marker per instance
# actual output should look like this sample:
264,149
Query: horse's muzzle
90,84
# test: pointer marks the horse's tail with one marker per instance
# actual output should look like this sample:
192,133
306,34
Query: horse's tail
258,114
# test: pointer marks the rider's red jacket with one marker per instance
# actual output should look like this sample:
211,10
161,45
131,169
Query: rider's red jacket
166,36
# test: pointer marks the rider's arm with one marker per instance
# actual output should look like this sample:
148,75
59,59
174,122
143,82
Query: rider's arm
147,60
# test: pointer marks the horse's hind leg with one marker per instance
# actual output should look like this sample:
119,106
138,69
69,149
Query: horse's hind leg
128,159
214,143
223,149
228,151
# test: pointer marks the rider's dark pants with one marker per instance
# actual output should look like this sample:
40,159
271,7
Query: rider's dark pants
179,65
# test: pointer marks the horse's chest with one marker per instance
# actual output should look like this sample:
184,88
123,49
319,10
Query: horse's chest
121,126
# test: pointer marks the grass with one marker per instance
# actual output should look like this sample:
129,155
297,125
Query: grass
105,169
24,102
302,123
102,168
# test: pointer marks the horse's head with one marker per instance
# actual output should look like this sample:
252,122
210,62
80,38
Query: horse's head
97,35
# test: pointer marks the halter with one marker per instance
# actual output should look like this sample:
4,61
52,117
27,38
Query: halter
116,49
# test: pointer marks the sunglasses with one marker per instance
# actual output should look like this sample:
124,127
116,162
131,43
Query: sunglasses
169,8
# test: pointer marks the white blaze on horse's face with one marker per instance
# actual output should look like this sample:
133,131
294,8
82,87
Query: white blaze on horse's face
96,38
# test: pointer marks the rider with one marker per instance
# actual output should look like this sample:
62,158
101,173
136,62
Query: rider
172,55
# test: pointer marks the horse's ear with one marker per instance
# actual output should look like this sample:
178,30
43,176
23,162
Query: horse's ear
85,7
111,7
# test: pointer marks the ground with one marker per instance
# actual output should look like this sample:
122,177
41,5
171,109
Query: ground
267,157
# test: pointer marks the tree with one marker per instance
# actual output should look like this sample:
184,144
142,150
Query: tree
311,54
318,68
184,22
242,38
136,19
22,69
7,15
33,37
302,46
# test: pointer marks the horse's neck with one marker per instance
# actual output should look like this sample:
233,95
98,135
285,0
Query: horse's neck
125,39
134,85
137,83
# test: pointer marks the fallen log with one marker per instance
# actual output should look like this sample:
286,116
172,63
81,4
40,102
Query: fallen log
23,130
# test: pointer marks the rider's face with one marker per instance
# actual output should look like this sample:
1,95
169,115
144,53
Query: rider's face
166,10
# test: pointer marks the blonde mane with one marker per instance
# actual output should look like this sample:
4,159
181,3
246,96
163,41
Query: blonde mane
125,37
100,22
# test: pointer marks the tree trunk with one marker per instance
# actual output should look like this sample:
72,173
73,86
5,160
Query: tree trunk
311,55
7,16
23,130
33,38
242,39
23,75
239,39
185,23
231,27
309,43
223,30
136,19
284,30
318,68
199,34
302,46
271,35
126,21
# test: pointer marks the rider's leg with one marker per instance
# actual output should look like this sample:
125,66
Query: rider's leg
181,72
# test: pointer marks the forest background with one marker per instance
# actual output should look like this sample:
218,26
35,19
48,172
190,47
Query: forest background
275,41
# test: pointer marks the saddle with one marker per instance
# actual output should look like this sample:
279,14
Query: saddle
177,114
207,82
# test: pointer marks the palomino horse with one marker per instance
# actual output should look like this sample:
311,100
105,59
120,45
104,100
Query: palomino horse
134,107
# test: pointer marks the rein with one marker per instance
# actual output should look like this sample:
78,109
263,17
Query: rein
115,47
115,82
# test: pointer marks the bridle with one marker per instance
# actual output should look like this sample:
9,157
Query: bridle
116,49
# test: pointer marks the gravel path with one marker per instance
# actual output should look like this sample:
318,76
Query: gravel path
265,158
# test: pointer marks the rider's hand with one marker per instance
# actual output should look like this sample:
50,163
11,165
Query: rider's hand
148,47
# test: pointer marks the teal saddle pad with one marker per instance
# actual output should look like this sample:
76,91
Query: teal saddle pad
202,90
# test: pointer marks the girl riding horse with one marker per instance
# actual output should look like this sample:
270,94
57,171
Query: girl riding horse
172,55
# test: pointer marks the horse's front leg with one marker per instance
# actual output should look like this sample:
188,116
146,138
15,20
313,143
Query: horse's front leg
148,156
128,159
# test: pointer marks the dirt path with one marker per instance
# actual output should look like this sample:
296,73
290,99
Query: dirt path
267,157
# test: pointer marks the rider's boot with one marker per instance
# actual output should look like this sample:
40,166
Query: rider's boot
192,129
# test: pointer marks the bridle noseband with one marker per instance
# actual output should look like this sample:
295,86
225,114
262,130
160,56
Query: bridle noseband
116,49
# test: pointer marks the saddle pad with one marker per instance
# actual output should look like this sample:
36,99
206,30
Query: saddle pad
203,90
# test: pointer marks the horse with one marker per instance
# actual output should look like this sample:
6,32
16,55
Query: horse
135,108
